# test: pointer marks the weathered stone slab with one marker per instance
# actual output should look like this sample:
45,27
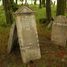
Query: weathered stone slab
13,39
10,41
59,31
27,34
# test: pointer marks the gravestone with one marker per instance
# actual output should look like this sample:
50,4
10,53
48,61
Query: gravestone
27,34
13,39
59,31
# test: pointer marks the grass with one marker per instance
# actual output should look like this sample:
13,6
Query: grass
51,54
2,16
41,13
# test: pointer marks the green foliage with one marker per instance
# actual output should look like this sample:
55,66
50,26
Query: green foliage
2,16
14,7
21,0
41,13
43,3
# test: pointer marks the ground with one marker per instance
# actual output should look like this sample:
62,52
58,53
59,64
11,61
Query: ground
52,55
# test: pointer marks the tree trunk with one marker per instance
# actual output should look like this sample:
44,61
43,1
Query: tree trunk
12,1
8,11
43,3
60,7
16,1
26,2
35,2
65,2
40,5
12,4
48,10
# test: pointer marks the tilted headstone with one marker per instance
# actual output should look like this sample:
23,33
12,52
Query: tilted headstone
10,42
13,38
59,31
27,34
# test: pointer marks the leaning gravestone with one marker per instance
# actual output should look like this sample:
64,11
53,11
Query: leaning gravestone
59,31
27,34
13,39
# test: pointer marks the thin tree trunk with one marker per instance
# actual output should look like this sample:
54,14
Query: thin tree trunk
40,5
12,1
12,4
60,7
16,1
26,2
48,10
65,3
35,2
8,11
43,3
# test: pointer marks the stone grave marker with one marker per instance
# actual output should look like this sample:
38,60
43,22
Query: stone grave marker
27,34
13,39
59,31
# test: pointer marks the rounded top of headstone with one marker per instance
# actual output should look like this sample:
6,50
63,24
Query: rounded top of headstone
60,19
24,10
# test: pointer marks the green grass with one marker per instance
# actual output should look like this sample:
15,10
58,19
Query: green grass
41,13
2,16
